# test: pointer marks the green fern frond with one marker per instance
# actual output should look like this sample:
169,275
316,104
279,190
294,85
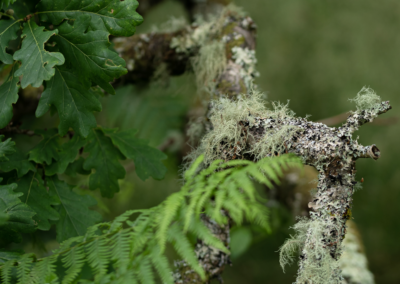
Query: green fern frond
98,255
145,272
189,173
184,248
24,267
44,269
171,206
120,248
222,190
161,264
73,260
198,228
6,269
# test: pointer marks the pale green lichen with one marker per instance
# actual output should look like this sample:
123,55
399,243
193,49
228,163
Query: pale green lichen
318,266
228,117
274,141
246,58
209,64
353,262
366,98
200,35
195,130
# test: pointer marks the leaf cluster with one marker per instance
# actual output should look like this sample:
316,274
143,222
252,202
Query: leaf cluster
64,45
33,178
126,251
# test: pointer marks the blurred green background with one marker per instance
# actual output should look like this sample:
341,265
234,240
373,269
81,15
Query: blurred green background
318,54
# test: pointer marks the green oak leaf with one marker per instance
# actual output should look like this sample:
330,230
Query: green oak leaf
117,17
68,153
147,159
8,32
19,162
37,197
76,167
37,63
74,101
89,53
47,149
75,216
8,97
103,157
6,148
19,215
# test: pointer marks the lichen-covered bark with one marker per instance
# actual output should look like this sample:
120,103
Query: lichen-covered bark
237,33
332,151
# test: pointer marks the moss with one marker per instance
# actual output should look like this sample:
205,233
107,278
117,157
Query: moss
366,98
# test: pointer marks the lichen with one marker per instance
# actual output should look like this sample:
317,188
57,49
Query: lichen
246,58
228,117
318,264
209,64
353,262
366,98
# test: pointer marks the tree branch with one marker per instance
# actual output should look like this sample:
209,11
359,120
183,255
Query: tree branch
332,151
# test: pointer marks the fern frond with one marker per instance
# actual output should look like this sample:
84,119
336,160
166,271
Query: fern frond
161,264
145,272
198,228
184,248
23,268
98,255
120,248
171,206
5,270
118,221
73,260
219,199
189,173
222,190
44,269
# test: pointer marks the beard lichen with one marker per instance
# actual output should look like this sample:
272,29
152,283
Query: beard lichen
228,138
366,98
318,265
209,64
